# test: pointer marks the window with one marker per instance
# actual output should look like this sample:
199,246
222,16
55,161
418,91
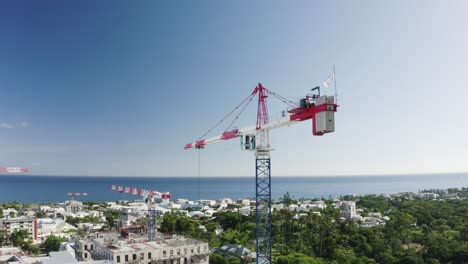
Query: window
85,247
134,256
185,251
178,251
172,252
91,247
85,255
149,255
118,259
191,250
164,254
126,258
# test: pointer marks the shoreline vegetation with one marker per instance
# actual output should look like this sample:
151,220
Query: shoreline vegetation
415,230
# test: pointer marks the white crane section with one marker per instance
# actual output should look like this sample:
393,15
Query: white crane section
151,194
317,109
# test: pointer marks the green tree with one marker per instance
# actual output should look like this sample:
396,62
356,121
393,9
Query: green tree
168,223
52,243
111,217
287,199
298,258
40,214
217,259
33,250
141,221
20,238
229,220
411,259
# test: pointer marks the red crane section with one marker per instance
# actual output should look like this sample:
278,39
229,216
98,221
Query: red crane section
142,192
320,109
13,170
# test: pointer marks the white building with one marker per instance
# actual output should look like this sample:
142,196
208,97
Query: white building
10,211
245,211
48,226
62,257
428,196
210,203
244,202
347,208
73,206
139,250
224,202
9,225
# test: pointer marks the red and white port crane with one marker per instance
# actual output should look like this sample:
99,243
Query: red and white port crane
73,195
318,108
13,170
150,194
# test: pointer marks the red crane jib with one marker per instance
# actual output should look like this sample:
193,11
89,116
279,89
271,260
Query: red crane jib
230,134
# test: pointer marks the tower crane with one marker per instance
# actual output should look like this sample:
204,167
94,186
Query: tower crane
318,108
73,202
148,195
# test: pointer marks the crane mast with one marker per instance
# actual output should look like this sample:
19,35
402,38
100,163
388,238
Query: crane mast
320,109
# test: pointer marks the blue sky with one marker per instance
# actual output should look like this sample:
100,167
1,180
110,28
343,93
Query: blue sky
116,88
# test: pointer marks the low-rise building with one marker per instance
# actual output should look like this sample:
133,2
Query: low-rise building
138,250
347,208
232,250
48,226
244,211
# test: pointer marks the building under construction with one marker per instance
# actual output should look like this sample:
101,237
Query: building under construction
132,250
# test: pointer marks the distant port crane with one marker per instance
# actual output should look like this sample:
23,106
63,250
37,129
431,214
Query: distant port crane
146,194
319,108
72,196
13,170
149,196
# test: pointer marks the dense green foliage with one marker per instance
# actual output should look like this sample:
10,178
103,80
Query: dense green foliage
174,223
111,217
20,238
52,243
40,214
87,219
418,231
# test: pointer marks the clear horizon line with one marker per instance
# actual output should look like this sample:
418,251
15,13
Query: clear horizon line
242,176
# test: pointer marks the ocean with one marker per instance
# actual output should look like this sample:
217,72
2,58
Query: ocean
43,189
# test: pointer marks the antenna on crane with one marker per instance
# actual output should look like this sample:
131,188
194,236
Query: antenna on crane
318,108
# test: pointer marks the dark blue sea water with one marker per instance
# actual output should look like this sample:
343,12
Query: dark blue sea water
54,188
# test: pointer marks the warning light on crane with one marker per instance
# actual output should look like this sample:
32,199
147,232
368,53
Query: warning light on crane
318,108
